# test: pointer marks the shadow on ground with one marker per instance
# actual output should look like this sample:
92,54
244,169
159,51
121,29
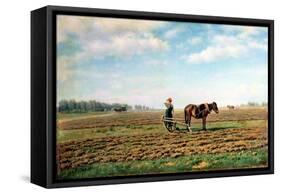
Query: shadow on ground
184,130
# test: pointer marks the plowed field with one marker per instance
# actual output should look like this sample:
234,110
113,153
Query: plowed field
126,137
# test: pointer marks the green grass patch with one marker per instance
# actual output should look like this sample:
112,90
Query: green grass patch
200,162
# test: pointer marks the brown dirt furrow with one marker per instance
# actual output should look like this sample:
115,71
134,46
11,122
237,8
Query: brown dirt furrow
149,147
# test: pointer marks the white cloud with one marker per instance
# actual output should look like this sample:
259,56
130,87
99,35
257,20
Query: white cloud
159,63
212,53
240,93
127,38
64,72
173,32
102,37
244,31
127,45
72,24
225,47
258,45
195,40
126,25
228,45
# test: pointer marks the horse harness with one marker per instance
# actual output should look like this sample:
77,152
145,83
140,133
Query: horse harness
202,110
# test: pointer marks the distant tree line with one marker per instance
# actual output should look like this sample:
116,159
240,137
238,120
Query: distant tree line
141,108
254,104
88,106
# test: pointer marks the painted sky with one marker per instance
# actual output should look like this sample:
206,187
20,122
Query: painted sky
145,62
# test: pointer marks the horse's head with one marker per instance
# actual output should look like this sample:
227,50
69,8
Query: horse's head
215,107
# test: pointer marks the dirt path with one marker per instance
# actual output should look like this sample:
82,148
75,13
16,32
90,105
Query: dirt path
73,154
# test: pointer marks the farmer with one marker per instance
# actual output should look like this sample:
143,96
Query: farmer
170,108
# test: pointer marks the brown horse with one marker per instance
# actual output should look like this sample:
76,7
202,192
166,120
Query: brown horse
199,112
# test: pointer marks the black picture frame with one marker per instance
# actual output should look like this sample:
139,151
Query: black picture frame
43,95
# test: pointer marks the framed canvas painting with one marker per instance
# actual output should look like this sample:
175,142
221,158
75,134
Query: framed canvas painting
125,96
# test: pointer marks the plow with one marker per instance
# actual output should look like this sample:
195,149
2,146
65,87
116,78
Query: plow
171,124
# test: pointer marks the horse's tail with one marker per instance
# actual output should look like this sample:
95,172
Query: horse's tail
187,112
185,115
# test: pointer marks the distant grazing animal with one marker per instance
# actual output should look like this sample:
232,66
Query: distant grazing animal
199,112
231,107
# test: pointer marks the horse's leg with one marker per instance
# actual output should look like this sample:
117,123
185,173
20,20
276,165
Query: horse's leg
189,125
186,117
187,120
204,122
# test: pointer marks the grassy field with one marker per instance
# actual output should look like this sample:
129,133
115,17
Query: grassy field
191,163
130,143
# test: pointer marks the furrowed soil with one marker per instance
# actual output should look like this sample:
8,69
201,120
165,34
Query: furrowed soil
122,138
149,118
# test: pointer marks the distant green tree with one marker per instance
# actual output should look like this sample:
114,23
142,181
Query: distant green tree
72,105
90,106
63,106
